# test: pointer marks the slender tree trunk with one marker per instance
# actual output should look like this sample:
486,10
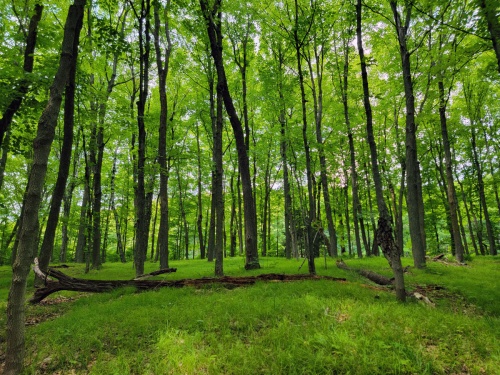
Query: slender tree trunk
64,166
82,227
414,199
163,69
199,220
218,193
142,222
482,196
384,234
212,18
29,227
452,196
311,214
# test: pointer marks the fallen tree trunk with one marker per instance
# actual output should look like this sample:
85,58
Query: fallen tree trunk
370,275
65,282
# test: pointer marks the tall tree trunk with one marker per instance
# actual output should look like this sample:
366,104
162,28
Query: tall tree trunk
199,220
482,196
24,83
163,69
82,239
311,214
384,234
29,227
452,196
218,193
356,205
214,33
140,201
64,165
414,199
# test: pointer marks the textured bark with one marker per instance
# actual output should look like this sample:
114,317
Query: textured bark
384,235
213,28
29,226
162,63
64,166
140,200
414,198
24,83
199,220
370,275
217,188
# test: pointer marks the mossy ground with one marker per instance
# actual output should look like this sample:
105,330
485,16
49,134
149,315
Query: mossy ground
306,327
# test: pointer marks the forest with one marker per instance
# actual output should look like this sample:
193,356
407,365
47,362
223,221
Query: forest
153,131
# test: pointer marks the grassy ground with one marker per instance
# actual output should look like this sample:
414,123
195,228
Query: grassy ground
308,327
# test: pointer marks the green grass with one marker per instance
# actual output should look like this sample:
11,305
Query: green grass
309,327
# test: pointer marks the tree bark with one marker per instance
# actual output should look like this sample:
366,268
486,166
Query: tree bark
414,198
163,69
213,28
140,201
29,226
384,235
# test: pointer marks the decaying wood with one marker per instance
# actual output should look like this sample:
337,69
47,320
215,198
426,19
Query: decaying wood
156,273
65,282
424,299
370,275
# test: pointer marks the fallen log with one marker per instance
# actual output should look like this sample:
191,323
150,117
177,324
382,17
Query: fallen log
370,275
65,282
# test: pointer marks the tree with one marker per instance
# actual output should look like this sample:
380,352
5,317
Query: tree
211,17
29,226
414,199
384,235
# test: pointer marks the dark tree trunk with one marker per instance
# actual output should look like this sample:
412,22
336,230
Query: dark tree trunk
218,193
214,34
24,84
384,235
414,198
140,201
15,347
163,68
82,238
64,166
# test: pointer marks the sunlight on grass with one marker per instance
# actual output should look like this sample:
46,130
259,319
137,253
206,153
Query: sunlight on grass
307,327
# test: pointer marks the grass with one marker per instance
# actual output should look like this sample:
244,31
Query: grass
308,327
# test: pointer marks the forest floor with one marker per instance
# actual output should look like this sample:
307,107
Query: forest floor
300,327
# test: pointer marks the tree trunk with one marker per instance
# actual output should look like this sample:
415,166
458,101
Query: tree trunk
142,222
482,196
452,196
163,69
64,165
413,172
29,227
199,220
215,36
218,192
384,235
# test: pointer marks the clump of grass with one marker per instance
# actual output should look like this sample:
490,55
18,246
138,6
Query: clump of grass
307,327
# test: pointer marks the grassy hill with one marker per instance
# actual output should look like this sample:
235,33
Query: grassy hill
303,327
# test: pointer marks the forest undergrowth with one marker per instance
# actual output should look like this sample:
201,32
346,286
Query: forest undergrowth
304,327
